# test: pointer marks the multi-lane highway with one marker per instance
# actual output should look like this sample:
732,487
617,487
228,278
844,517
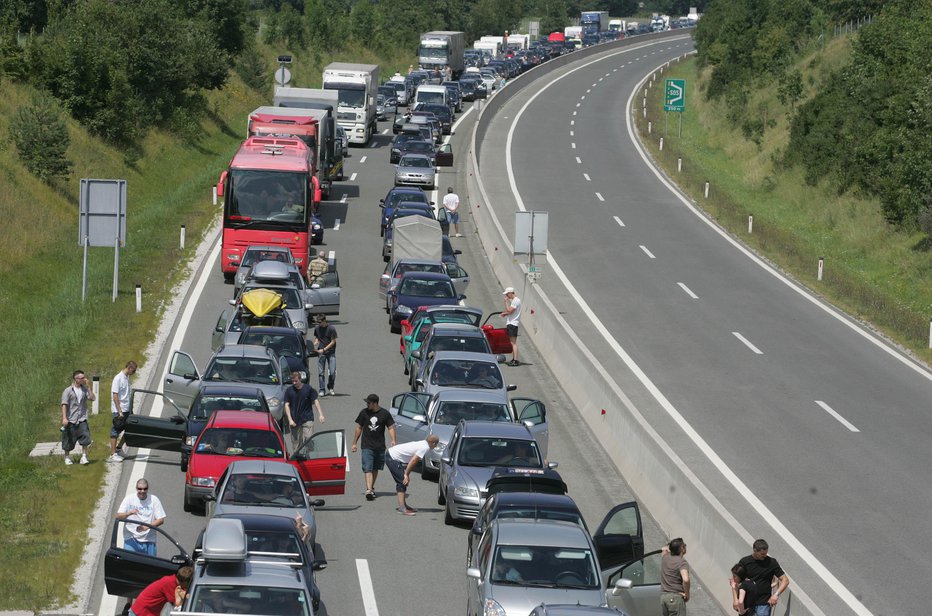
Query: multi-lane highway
811,431
381,562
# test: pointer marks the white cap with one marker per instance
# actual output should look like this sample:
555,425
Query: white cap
508,290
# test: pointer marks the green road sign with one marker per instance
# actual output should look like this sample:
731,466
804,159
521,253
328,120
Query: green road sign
675,95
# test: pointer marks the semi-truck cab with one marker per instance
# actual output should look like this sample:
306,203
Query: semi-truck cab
356,85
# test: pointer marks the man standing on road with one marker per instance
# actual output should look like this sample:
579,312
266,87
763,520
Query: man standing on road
141,507
512,314
325,341
451,203
318,267
674,579
401,460
762,569
300,402
74,430
370,425
119,406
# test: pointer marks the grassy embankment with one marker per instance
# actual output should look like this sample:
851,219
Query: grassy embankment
45,507
872,271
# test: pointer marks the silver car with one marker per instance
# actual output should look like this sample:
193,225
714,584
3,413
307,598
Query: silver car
265,487
418,415
234,363
476,449
253,255
457,369
522,563
416,170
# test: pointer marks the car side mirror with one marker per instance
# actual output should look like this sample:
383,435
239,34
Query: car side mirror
315,286
234,263
232,302
180,559
499,358
446,459
319,565
474,573
620,585
552,465
308,306
177,419
210,497
318,502
511,388
419,418
419,382
476,530
416,354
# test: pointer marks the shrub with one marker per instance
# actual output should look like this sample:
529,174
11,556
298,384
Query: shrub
41,137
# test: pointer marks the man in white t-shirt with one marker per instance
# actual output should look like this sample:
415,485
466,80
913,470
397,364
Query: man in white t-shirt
512,314
451,203
401,460
142,507
119,406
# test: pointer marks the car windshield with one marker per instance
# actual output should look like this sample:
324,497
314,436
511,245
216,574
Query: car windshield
260,370
289,294
251,257
242,320
477,451
427,288
279,196
403,138
421,162
418,267
284,345
545,566
398,197
239,442
233,599
449,413
538,512
451,316
466,373
479,375
419,146
205,406
268,542
264,491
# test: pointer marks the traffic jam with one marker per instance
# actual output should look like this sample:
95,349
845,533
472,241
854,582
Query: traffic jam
249,470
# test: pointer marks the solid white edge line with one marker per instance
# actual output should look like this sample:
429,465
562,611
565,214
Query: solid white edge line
619,221
795,544
352,178
647,252
336,224
747,343
835,414
687,290
365,588
343,198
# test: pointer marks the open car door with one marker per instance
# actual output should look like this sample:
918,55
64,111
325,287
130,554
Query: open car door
321,461
127,573
497,334
409,410
620,537
640,592
183,379
459,277
444,157
533,414
324,294
152,432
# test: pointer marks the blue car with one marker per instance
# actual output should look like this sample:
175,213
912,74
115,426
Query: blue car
417,289
394,197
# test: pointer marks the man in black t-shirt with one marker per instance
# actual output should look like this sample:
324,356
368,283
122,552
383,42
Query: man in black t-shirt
762,569
300,402
370,425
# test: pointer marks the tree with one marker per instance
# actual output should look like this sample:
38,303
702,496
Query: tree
41,137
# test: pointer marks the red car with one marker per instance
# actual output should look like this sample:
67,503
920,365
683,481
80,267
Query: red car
241,435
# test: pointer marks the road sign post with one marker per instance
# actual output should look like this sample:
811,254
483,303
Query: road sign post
102,222
674,99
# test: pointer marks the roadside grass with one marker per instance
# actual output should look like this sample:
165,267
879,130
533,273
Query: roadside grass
872,271
45,507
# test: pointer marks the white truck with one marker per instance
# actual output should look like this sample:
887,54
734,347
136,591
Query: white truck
491,47
616,25
518,42
356,85
573,32
442,48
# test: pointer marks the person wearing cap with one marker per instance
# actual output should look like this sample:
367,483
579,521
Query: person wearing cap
370,425
512,314
401,461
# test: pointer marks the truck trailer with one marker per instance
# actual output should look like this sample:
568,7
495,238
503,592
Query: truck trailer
593,22
321,104
442,48
356,85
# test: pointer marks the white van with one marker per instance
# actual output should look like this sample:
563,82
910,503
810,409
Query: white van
432,94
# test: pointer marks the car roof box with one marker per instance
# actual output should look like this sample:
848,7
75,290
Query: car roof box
224,541
270,270
542,480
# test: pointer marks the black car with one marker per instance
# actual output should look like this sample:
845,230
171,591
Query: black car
473,87
442,112
287,342
456,95
395,197
398,145
419,146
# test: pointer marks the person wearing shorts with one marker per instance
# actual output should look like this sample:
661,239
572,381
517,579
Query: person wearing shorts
74,429
451,203
401,461
512,314
371,424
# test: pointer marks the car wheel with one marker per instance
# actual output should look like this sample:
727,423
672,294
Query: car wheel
395,329
406,370
447,517
184,464
441,497
187,503
228,277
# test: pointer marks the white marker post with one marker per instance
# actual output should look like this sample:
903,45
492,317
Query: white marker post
95,387
821,262
215,195
661,144
138,297
750,224
181,239
706,192
650,126
679,164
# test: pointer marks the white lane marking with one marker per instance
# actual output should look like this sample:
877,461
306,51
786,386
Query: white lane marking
343,198
332,257
589,90
583,97
647,252
573,145
365,587
835,414
586,175
595,85
599,195
385,132
373,145
336,224
607,75
572,134
572,122
574,113
578,161
108,602
614,70
618,220
352,178
362,160
747,343
688,291
601,78
578,104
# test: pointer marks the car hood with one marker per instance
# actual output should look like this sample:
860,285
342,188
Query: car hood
413,302
476,477
209,465
523,599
